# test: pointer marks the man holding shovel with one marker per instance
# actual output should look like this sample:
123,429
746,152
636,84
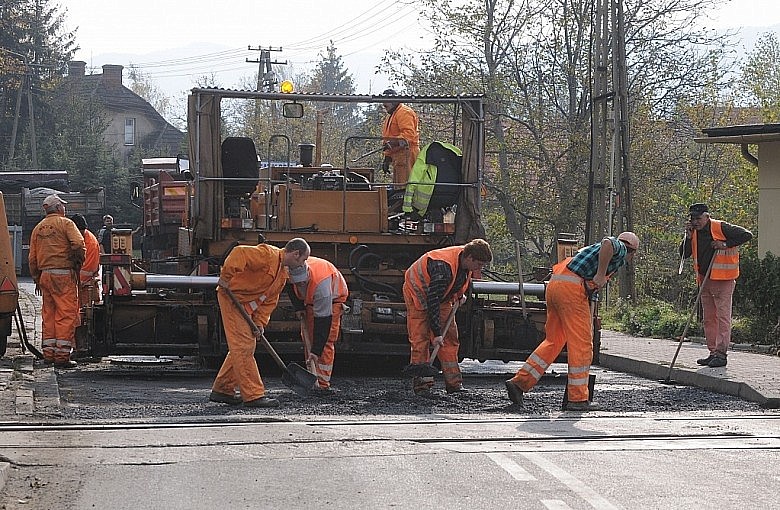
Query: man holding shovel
569,318
432,286
256,275
319,292
714,242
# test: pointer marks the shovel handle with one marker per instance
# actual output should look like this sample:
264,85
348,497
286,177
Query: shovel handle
307,342
255,329
450,320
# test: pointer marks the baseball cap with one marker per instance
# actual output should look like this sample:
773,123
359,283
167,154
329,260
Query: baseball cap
697,210
52,200
299,274
631,240
389,92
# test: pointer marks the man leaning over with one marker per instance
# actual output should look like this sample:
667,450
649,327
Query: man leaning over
56,254
256,275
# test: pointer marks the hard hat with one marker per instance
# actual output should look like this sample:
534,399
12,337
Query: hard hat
631,240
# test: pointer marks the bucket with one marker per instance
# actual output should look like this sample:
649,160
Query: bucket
306,151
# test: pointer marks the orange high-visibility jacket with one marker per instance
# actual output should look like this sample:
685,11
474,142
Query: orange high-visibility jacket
326,286
402,123
55,243
418,279
725,263
256,275
92,260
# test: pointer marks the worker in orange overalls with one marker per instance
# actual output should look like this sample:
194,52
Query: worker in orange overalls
432,285
401,137
569,318
56,254
89,283
319,293
256,275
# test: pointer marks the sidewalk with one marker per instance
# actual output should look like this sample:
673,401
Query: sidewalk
748,375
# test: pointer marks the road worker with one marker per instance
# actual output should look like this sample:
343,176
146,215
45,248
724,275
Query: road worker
432,286
401,138
569,318
714,242
256,275
89,284
319,296
56,254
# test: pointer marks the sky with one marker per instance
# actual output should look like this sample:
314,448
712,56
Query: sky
177,41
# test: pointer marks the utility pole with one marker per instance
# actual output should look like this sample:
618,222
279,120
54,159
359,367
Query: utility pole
266,78
609,185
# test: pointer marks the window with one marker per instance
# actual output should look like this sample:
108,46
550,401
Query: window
129,131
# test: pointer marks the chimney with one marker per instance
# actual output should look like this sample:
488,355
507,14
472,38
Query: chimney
112,75
76,69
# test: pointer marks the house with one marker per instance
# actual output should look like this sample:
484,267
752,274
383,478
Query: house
134,125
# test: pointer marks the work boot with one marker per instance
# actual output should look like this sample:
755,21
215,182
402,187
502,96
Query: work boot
262,402
705,361
72,364
717,361
424,393
456,389
515,393
223,398
583,407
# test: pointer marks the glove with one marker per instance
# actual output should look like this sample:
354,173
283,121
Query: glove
462,300
386,163
438,340
259,333
403,144
37,290
223,283
387,146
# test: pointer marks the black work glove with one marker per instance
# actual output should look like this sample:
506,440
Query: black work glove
37,289
386,163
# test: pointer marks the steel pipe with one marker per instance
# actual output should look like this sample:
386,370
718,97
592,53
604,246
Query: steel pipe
508,288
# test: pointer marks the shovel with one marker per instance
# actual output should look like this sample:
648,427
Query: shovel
294,376
427,369
312,366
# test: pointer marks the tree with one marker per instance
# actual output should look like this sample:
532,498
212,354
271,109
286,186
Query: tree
34,51
760,77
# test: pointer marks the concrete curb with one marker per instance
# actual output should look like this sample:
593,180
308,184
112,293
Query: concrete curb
689,378
5,470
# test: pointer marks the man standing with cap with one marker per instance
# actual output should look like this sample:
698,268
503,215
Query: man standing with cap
714,242
319,292
56,254
401,137
569,320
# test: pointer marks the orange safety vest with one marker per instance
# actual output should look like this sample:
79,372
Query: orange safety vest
418,279
319,271
725,263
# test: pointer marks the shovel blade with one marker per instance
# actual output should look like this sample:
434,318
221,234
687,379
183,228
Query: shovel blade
420,370
298,379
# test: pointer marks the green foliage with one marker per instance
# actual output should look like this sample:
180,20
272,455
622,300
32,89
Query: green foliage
760,77
652,317
757,297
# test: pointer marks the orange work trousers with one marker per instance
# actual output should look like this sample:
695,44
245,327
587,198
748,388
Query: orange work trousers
568,323
60,314
325,360
403,161
239,370
420,337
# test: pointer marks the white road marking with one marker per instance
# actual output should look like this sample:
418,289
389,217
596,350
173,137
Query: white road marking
577,486
511,467
555,504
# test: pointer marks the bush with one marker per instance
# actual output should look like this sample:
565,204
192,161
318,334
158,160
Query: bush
652,318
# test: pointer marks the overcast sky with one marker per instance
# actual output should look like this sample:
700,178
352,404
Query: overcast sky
153,34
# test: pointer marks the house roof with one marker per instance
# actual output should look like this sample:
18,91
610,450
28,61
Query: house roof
748,133
117,98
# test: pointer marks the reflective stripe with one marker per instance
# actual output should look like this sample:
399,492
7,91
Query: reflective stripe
578,381
539,361
56,271
533,371
87,273
567,278
579,370
253,305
